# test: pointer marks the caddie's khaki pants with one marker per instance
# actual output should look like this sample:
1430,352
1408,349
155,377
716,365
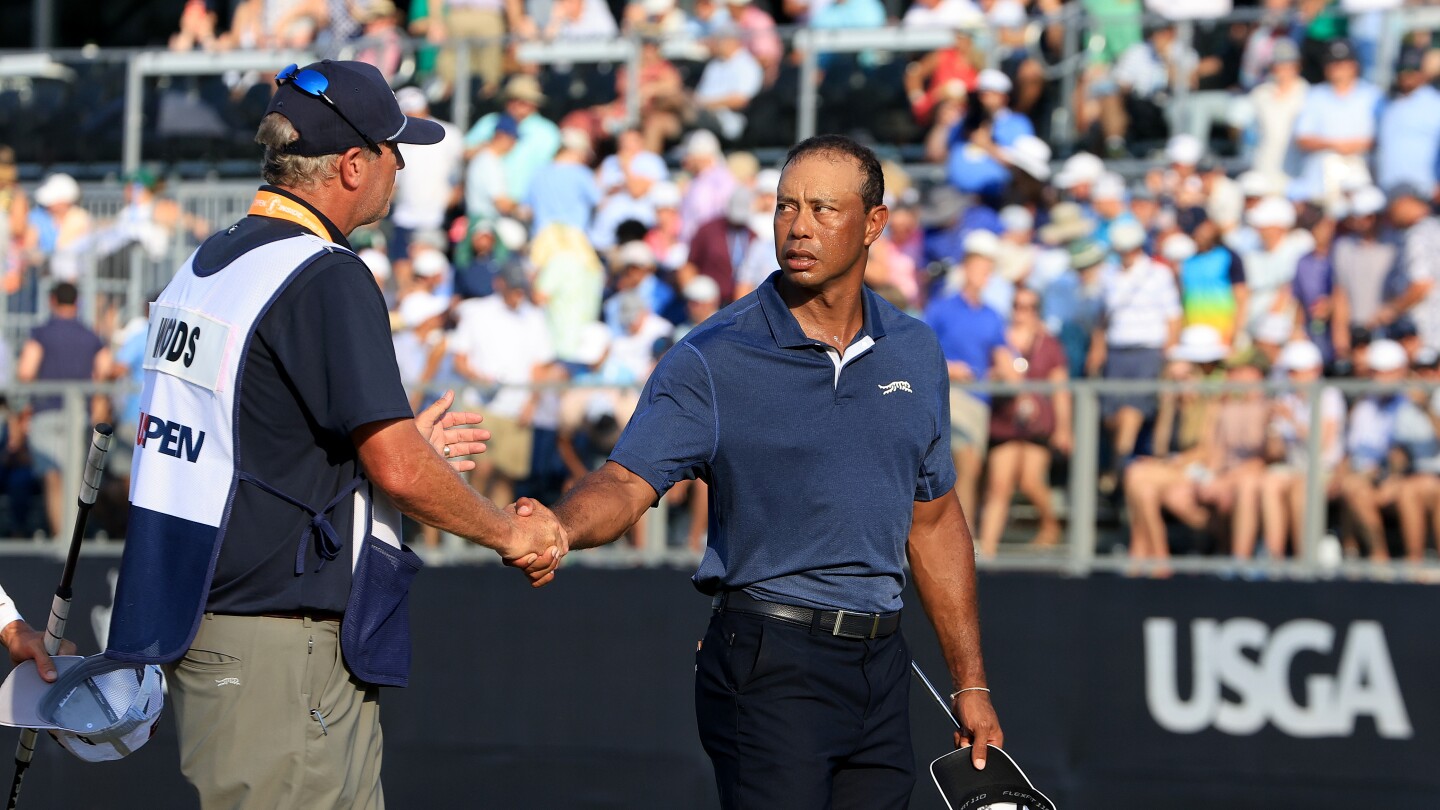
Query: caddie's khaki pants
269,717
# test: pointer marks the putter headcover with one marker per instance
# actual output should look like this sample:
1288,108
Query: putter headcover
98,709
1002,781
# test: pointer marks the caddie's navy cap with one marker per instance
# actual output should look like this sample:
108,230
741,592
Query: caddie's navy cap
1002,782
361,96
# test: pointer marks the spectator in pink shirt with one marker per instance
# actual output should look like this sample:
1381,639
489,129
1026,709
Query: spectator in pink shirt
710,186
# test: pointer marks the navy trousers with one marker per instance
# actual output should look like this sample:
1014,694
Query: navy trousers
800,721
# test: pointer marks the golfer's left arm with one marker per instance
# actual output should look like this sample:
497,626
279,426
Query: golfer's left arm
942,562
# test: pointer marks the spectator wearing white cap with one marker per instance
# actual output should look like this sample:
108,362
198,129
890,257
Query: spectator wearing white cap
1270,270
978,162
633,270
972,336
1282,497
1141,320
1017,248
718,248
664,236
1213,291
1336,127
711,183
1277,103
502,345
702,299
938,14
1180,180
1077,176
1419,261
430,183
1108,198
430,270
1157,483
565,191
56,225
420,344
1363,260
1373,480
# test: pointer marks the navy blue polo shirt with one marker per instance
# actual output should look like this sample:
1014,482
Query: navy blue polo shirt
813,473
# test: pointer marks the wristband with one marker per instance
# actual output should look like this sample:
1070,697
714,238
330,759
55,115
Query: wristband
959,692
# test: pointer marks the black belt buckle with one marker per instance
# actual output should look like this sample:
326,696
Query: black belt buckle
840,618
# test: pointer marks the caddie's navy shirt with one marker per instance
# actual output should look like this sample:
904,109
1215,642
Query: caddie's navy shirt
813,472
321,365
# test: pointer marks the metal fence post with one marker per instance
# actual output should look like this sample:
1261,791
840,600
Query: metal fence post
1062,120
134,113
75,404
1313,527
632,82
1084,467
808,104
460,108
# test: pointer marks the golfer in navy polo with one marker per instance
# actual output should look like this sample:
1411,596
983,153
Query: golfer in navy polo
818,414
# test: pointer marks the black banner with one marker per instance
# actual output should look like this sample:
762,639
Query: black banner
1114,693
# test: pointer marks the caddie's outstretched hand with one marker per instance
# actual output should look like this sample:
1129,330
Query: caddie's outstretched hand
451,434
978,725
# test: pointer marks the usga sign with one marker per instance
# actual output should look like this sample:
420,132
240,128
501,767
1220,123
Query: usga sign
1364,682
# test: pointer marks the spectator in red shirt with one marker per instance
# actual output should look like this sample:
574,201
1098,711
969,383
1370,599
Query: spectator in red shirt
720,245
1023,427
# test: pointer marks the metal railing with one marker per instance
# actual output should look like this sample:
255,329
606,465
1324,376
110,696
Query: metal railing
1080,553
96,79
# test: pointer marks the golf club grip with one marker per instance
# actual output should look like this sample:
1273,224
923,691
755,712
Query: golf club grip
100,442
55,627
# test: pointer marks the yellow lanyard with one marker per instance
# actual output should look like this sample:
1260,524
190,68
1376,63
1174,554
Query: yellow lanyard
278,206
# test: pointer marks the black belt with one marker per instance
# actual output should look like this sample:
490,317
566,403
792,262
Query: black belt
843,623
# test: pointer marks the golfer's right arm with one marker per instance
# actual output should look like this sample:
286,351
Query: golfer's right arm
23,642
673,435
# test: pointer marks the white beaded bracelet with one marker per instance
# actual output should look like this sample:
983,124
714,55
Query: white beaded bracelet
959,692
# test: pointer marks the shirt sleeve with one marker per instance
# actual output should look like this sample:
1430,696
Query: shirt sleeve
1311,117
1237,268
675,430
937,471
330,333
8,613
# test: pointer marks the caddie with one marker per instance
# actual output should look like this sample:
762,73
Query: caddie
263,564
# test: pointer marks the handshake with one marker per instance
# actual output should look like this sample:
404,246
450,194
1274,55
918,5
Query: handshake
537,542
533,540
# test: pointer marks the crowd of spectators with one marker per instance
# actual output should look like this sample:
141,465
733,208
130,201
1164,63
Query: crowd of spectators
1281,228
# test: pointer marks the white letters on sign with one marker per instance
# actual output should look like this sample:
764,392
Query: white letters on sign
1254,662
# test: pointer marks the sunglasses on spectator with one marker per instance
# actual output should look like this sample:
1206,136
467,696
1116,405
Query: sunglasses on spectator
1026,305
314,84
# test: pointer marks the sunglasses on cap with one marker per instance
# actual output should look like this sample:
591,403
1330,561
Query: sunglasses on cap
314,84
